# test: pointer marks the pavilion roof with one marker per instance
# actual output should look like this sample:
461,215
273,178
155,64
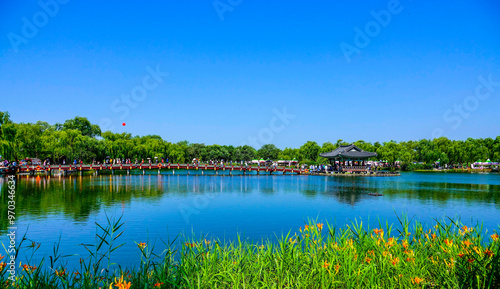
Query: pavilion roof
348,152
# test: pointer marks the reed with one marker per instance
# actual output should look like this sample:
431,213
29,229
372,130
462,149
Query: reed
448,255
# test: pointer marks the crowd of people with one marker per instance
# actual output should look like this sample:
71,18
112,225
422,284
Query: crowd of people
337,167
23,162
148,161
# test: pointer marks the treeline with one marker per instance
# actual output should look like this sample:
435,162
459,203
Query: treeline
79,139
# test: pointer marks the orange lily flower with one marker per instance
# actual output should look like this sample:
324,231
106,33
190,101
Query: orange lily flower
326,264
417,280
488,253
395,261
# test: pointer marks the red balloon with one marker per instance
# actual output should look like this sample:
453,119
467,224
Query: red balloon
123,124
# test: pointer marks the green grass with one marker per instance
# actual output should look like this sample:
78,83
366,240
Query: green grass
449,255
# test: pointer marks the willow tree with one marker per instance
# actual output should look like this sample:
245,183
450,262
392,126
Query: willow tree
268,152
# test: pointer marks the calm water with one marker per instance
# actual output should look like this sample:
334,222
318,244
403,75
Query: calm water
162,207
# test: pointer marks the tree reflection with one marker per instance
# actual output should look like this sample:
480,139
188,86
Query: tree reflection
78,198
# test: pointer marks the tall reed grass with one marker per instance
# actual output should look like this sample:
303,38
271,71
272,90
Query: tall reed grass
448,255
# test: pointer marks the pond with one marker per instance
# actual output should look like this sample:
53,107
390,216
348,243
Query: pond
64,210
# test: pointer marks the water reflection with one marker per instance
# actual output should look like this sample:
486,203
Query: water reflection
79,197
222,206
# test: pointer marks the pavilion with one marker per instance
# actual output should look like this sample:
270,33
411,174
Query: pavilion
350,157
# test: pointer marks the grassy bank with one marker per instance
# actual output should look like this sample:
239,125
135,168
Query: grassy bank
449,255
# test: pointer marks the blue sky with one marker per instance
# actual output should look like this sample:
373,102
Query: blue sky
233,64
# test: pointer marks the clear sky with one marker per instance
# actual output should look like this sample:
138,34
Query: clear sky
377,71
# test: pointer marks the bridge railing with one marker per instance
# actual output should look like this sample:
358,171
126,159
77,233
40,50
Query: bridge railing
81,167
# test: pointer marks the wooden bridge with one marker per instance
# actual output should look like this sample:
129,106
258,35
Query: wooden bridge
156,169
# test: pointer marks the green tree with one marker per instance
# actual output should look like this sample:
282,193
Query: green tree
268,152
7,136
71,140
244,153
83,125
194,151
28,138
340,142
117,145
176,153
389,151
4,119
309,151
289,154
327,147
496,150
77,138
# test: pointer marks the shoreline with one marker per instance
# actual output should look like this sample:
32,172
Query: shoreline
448,254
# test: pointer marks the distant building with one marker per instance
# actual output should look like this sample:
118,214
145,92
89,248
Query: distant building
349,158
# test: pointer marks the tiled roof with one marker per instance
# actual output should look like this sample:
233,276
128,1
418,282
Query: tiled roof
348,151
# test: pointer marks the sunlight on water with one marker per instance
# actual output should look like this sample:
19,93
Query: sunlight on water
160,207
